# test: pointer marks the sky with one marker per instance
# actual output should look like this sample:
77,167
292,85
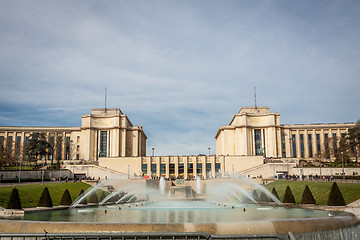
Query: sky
180,69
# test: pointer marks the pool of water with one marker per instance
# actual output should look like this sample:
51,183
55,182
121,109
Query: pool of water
175,212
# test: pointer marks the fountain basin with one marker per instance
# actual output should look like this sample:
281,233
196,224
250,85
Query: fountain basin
223,228
181,216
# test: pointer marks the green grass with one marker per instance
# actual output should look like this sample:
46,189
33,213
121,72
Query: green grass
30,194
320,190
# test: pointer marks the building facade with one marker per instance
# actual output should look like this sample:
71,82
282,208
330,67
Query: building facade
255,131
107,136
103,133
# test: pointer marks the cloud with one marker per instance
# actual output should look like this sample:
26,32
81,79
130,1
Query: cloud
181,69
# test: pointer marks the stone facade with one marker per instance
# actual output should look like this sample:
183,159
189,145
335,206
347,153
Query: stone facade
257,131
103,133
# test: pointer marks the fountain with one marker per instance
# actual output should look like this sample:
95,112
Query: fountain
215,206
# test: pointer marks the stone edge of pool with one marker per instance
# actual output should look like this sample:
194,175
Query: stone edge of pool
224,228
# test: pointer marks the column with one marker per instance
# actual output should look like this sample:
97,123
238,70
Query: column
158,161
167,167
298,149
306,144
176,166
63,147
212,160
287,139
322,143
123,143
331,144
203,160
222,165
279,143
22,146
149,162
185,159
14,145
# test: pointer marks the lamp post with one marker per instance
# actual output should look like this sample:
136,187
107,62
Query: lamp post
153,152
320,163
209,151
20,170
342,161
128,171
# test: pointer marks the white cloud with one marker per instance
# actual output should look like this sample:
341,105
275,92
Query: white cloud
181,69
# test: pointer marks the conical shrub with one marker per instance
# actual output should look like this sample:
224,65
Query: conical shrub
45,199
274,192
93,198
307,196
288,196
84,201
102,196
263,197
255,196
66,199
14,200
335,196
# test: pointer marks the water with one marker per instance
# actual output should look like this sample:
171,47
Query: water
174,212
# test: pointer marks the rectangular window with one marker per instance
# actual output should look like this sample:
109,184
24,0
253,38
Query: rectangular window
293,138
153,168
9,143
342,135
258,150
162,169
310,145
318,143
172,169
103,144
18,143
77,156
67,140
217,167
144,168
302,145
283,147
26,139
327,151
190,168
1,140
199,168
208,167
181,168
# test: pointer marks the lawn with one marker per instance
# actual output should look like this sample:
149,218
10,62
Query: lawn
30,194
320,190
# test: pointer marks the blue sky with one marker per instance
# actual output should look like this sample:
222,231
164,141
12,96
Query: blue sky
181,69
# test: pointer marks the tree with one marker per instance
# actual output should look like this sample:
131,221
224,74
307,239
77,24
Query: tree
288,196
335,196
37,146
274,192
307,196
93,198
263,197
255,196
6,158
82,192
353,139
66,199
14,200
45,199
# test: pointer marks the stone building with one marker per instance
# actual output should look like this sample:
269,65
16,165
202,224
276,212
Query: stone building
107,137
103,133
256,131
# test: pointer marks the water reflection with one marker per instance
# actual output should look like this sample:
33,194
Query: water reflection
174,212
